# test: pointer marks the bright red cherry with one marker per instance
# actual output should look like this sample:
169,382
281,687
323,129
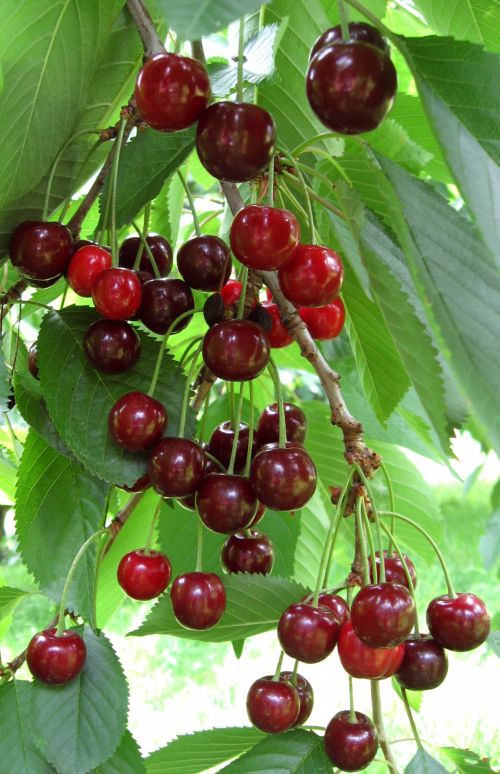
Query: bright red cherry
84,267
235,140
40,249
306,695
325,322
117,293
313,277
278,335
172,91
163,301
231,292
359,660
424,666
236,350
351,86
144,574
248,552
394,572
225,503
176,467
264,237
358,31
54,658
204,262
383,614
137,421
198,599
351,745
33,360
268,424
462,623
221,444
273,706
337,605
160,250
112,346
308,633
283,479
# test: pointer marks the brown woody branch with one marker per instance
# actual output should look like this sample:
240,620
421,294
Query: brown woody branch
150,39
12,295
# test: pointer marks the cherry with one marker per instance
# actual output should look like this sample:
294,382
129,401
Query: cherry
325,322
394,572
261,509
337,605
112,346
137,421
248,552
176,467
189,503
283,479
306,695
204,262
116,293
462,623
264,237
54,658
33,360
235,141
142,483
225,502
163,300
84,267
358,31
221,444
278,335
198,599
424,666
268,424
40,249
43,283
351,86
308,633
160,250
383,614
171,91
236,350
273,706
231,292
262,317
313,277
351,745
213,309
359,660
144,574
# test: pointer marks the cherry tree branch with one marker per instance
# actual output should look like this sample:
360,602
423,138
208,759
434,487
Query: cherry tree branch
150,39
10,296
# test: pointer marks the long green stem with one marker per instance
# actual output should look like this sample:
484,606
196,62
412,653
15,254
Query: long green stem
270,184
377,523
284,187
362,542
310,216
145,246
241,58
55,165
113,183
373,18
410,718
344,20
405,569
317,198
273,370
184,359
237,422
392,503
330,553
190,199
151,531
163,346
199,547
70,576
378,720
303,146
244,283
248,460
203,421
278,667
369,535
187,388
352,712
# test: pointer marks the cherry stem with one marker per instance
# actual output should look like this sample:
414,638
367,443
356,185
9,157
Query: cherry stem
352,713
406,572
244,283
374,19
277,673
368,532
203,420
215,461
316,173
185,397
310,216
237,422
189,196
230,390
344,20
55,165
273,370
151,530
204,221
392,504
241,59
303,146
317,198
377,523
144,246
414,728
184,359
291,196
199,546
270,184
248,460
163,347
378,720
294,673
113,184
362,541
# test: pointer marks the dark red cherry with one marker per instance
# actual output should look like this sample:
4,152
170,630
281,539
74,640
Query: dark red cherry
137,421
112,346
231,292
235,140
214,309
325,322
221,444
278,335
308,633
306,695
144,276
425,664
350,745
383,614
163,300
268,424
462,623
84,267
198,599
351,86
144,575
359,660
40,249
204,262
248,552
283,479
337,605
160,250
142,483
172,91
264,237
54,658
313,277
273,706
189,503
43,283
226,503
176,467
236,350
116,293
358,31
394,572
33,360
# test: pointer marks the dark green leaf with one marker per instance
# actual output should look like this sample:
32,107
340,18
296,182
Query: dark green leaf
423,763
467,761
9,598
193,18
17,747
126,759
475,20
298,751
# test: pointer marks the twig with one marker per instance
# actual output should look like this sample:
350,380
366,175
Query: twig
122,517
379,724
12,295
146,29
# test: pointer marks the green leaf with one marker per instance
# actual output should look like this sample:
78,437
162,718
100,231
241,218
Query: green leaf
126,759
494,642
475,20
79,725
9,597
423,763
489,542
192,19
314,522
299,751
8,470
17,747
467,761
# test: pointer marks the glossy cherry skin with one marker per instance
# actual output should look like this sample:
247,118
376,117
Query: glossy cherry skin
204,263
383,614
160,250
221,443
84,267
264,237
459,624
43,283
325,322
251,553
337,605
278,335
283,479
137,421
144,575
226,503
112,346
394,572
172,91
358,31
176,467
198,599
33,360
117,293
273,706
235,140
189,503
236,350
351,86
306,695
308,633
424,666
40,249
313,277
231,292
351,746
56,659
163,300
359,660
268,424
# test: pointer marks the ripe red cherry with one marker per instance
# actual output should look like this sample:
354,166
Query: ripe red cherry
54,658
235,141
112,346
283,479
251,553
337,605
351,746
273,706
359,660
163,301
84,267
160,250
383,614
172,91
278,335
221,444
351,86
306,695
117,293
144,575
424,666
462,623
231,292
308,633
176,467
325,322
198,599
268,424
313,277
358,31
137,421
204,262
40,249
226,503
236,350
264,237
33,360
394,572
